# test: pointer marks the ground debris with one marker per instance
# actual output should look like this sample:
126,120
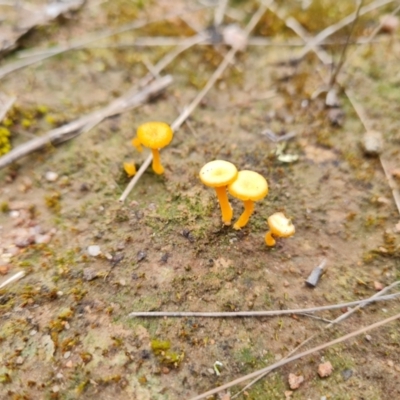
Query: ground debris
372,143
325,369
295,381
23,17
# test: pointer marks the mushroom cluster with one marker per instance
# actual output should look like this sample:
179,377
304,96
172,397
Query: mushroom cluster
248,186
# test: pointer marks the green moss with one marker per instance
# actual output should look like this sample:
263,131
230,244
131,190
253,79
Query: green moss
5,145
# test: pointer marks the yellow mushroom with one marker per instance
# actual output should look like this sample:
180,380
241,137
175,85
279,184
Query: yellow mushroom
249,186
279,226
154,135
219,174
130,168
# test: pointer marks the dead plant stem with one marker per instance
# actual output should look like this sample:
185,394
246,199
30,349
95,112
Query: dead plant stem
296,357
268,313
341,318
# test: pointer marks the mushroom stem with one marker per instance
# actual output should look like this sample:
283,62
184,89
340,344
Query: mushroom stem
244,218
157,167
137,144
269,239
226,209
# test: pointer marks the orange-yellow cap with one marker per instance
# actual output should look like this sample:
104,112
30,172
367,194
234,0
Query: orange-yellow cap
155,135
218,173
249,185
280,226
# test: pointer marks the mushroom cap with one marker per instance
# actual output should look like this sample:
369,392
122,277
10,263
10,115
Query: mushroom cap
155,135
218,173
280,226
249,185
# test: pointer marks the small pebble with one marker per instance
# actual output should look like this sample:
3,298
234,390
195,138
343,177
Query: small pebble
55,389
325,369
378,286
347,374
295,381
19,360
94,250
372,143
67,354
233,35
141,255
51,176
69,364
4,269
89,274
389,23
59,376
33,332
368,338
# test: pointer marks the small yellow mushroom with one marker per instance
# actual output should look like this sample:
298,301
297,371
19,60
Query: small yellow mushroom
219,174
249,186
279,226
154,135
130,169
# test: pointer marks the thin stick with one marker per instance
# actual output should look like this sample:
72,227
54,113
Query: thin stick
269,313
15,277
330,30
220,12
6,103
367,125
14,66
74,128
342,58
195,102
295,26
336,321
296,357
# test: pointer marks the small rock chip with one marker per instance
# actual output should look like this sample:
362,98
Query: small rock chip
51,176
288,394
397,227
368,338
19,360
89,274
69,364
141,255
325,369
378,286
390,363
55,389
347,374
389,23
4,269
233,35
372,143
42,239
94,250
295,381
285,283
67,354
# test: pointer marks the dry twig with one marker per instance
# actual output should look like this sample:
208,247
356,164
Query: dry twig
132,99
268,313
13,278
40,55
296,357
6,103
341,318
